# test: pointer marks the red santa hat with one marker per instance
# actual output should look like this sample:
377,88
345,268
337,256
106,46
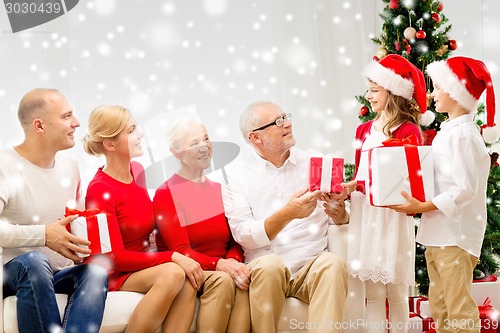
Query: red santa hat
465,79
401,78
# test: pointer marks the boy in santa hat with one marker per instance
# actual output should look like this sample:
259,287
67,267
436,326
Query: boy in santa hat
454,221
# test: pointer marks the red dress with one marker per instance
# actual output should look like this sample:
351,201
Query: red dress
191,220
128,205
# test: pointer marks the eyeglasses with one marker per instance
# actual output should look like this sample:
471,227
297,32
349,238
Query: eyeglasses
278,122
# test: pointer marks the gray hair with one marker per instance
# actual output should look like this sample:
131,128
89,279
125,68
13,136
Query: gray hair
176,131
250,119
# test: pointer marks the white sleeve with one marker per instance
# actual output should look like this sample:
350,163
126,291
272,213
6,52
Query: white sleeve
247,231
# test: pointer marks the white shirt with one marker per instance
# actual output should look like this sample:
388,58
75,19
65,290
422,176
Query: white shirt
31,197
255,189
461,168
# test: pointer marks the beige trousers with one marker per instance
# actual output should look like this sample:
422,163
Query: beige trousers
322,283
223,306
450,271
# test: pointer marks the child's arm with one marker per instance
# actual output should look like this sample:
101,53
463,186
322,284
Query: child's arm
413,206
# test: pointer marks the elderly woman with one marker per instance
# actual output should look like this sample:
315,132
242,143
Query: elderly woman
191,220
168,279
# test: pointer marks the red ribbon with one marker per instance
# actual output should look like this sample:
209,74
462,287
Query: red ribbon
92,226
84,213
395,142
410,144
417,305
486,305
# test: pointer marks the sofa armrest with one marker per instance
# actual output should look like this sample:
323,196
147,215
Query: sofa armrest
337,239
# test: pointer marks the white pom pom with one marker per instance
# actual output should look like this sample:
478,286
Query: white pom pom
427,118
491,134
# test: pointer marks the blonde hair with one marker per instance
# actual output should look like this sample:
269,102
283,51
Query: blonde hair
400,110
34,105
177,130
105,122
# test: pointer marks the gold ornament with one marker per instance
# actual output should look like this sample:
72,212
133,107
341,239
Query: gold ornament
429,98
381,52
442,50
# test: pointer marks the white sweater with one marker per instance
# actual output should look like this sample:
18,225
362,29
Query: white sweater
31,197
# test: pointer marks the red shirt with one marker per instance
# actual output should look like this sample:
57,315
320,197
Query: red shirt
128,205
191,220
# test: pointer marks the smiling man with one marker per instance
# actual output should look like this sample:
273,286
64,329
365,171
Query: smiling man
35,187
281,226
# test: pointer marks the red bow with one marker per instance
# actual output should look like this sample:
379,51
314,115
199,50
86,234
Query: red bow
395,142
84,213
486,305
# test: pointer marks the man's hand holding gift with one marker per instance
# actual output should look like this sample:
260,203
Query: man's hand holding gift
334,205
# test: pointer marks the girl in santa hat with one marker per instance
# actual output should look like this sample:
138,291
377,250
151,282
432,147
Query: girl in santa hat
454,221
381,246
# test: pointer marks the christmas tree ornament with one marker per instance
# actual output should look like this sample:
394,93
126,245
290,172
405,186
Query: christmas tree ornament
363,111
429,98
442,50
420,34
436,17
397,46
410,33
453,44
421,47
428,136
440,7
393,4
381,53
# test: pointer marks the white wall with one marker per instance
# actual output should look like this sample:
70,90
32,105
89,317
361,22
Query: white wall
218,55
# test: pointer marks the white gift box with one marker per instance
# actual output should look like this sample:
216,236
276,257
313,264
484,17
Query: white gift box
100,238
481,290
390,174
422,307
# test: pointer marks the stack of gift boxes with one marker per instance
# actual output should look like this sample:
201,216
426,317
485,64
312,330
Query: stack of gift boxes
486,293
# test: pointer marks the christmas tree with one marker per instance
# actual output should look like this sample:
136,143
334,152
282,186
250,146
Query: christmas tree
418,31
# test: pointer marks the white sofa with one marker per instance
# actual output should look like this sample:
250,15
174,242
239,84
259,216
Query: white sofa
120,304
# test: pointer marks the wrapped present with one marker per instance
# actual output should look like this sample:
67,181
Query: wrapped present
491,290
428,324
489,317
400,165
325,174
421,307
94,226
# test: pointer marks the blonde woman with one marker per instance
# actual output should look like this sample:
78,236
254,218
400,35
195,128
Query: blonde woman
191,220
168,279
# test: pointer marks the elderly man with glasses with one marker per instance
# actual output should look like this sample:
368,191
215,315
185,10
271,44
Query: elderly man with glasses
282,227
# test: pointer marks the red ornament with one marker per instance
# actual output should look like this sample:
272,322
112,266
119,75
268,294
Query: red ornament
453,44
397,46
394,4
436,17
420,34
440,7
429,136
363,112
